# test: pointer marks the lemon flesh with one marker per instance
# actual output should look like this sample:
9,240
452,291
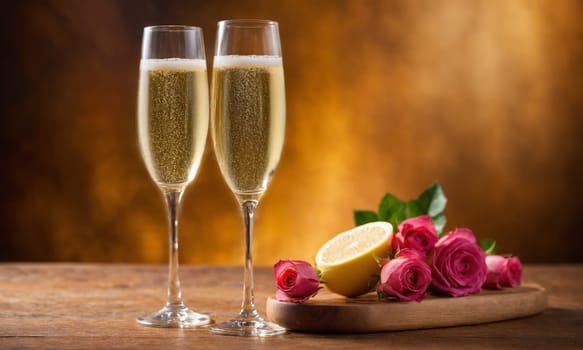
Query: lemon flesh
348,261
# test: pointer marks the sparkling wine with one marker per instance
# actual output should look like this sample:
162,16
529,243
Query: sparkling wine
173,118
248,120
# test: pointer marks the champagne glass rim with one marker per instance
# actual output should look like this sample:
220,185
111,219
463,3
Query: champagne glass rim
171,28
248,23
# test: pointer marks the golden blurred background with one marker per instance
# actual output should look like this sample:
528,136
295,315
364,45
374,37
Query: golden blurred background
484,96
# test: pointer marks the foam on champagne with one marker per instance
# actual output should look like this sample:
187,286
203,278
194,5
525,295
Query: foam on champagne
173,64
246,61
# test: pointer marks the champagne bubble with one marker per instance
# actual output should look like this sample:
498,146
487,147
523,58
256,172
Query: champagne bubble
248,119
173,118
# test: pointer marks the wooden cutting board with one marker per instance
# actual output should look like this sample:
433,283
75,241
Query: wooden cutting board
332,313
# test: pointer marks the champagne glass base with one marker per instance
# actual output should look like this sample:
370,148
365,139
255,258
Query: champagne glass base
175,316
256,327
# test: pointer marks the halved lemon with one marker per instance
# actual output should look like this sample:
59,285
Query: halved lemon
348,262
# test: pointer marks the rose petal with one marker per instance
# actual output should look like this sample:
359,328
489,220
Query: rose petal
296,280
503,272
458,264
417,233
282,296
405,278
411,253
513,275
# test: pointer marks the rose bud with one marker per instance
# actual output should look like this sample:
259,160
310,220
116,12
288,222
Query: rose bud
503,272
416,233
458,264
406,277
296,280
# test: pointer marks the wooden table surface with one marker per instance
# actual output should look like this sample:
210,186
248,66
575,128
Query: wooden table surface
94,306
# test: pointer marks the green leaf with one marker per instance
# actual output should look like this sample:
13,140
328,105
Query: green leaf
393,210
389,205
414,208
432,201
362,217
373,282
398,217
439,222
489,245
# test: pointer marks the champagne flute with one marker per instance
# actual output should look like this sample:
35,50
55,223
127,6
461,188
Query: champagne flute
173,113
248,127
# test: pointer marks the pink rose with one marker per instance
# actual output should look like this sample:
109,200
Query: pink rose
416,233
458,264
405,277
503,272
296,280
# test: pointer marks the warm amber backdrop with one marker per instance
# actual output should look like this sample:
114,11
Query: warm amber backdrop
484,96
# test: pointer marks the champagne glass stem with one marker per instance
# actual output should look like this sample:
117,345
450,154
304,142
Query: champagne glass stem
173,202
174,313
248,310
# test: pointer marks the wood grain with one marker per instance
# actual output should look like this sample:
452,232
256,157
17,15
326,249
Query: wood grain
94,306
332,313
